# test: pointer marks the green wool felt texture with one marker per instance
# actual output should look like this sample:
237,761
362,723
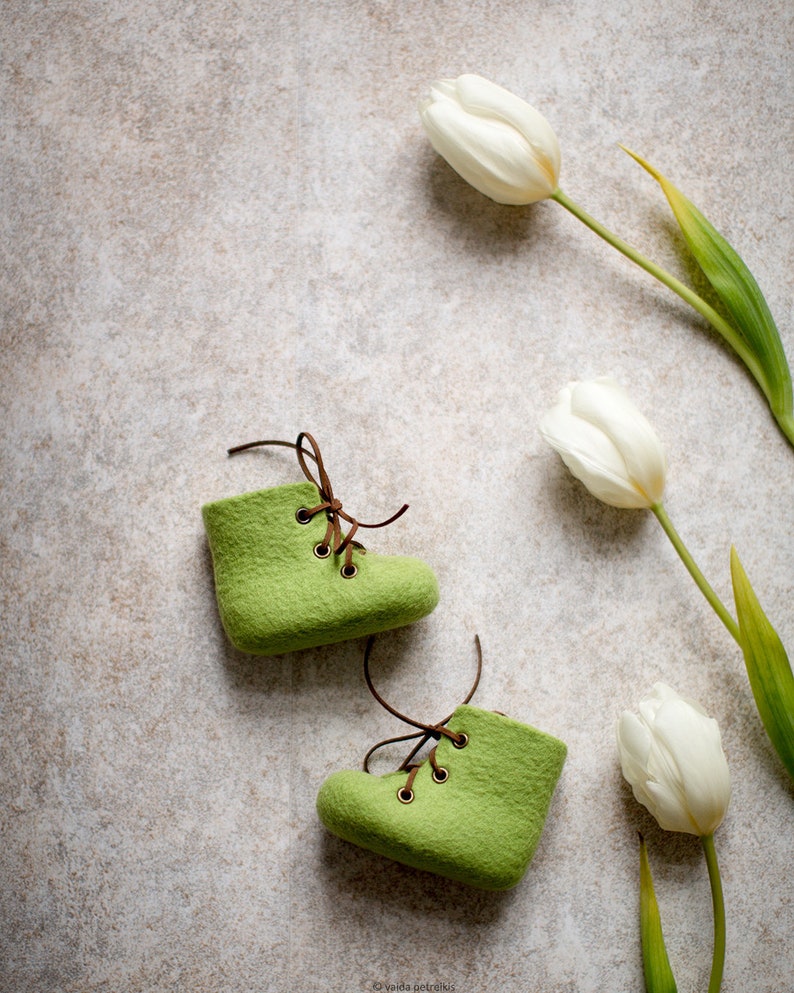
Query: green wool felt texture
275,595
481,826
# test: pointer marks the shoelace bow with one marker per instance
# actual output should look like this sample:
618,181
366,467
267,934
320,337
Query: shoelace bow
334,539
424,734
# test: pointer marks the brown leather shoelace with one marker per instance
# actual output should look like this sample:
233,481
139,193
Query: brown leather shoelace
426,731
334,540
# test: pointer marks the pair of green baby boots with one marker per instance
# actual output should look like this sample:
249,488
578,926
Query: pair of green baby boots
288,577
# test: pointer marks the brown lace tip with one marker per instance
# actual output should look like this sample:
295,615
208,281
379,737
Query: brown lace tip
257,444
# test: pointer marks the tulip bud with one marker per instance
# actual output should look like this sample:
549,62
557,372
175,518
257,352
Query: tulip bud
672,757
493,139
607,443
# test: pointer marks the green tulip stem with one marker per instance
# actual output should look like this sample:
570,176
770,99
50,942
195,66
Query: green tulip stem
718,904
689,296
692,567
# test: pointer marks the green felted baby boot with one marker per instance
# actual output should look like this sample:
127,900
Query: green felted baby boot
286,577
472,811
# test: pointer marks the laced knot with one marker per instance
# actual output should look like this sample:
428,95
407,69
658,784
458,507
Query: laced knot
334,541
425,733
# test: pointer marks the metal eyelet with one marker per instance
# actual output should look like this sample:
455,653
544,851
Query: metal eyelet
405,796
440,775
348,571
302,515
322,551
463,740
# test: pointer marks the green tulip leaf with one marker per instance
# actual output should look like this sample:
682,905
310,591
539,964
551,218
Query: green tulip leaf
768,667
757,339
656,965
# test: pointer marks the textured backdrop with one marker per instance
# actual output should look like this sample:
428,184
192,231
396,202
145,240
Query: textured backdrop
221,221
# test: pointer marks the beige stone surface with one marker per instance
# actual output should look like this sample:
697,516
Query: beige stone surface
222,221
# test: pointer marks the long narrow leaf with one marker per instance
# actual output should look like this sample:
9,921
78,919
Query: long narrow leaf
737,289
656,965
768,667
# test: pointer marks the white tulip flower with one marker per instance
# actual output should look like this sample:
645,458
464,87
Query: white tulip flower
671,755
607,444
497,142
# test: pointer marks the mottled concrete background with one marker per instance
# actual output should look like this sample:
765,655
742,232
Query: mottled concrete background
222,221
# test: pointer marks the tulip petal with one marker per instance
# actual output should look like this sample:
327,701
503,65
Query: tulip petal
634,747
692,745
491,156
634,740
608,406
607,444
668,807
592,458
494,140
672,757
481,96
